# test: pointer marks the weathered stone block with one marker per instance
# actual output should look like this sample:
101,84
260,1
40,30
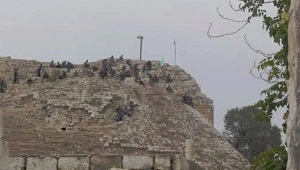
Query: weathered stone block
36,163
137,162
178,163
162,162
194,166
16,163
73,163
106,162
4,154
189,149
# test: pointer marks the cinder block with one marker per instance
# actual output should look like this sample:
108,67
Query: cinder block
162,162
106,162
73,163
137,162
16,163
36,163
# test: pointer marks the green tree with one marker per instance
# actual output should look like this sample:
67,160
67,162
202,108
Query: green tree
273,159
273,68
248,136
280,68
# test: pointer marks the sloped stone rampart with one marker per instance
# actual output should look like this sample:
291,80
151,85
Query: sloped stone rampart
76,115
183,82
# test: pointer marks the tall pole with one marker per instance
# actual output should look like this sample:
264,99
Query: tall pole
141,45
175,50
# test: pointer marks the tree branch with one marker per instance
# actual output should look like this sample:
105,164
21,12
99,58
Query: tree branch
234,9
225,18
226,34
240,9
260,75
258,51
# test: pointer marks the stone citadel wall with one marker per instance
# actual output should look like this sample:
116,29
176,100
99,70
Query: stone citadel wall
183,82
72,120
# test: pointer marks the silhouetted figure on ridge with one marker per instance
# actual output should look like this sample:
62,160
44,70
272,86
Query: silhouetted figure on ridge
29,81
169,79
104,74
16,76
52,64
39,70
155,79
76,73
64,74
136,71
91,73
129,63
64,64
131,105
141,82
113,72
144,69
120,114
3,86
148,65
112,61
46,75
58,65
188,100
69,66
121,58
86,64
169,89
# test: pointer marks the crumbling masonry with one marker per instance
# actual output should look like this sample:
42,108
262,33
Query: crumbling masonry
70,123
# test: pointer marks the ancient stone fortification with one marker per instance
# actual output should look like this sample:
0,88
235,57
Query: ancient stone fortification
183,82
58,123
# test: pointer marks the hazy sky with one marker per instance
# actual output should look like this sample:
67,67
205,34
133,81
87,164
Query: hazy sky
77,30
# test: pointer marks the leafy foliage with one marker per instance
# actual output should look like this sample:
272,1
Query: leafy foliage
273,68
276,69
273,159
248,136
